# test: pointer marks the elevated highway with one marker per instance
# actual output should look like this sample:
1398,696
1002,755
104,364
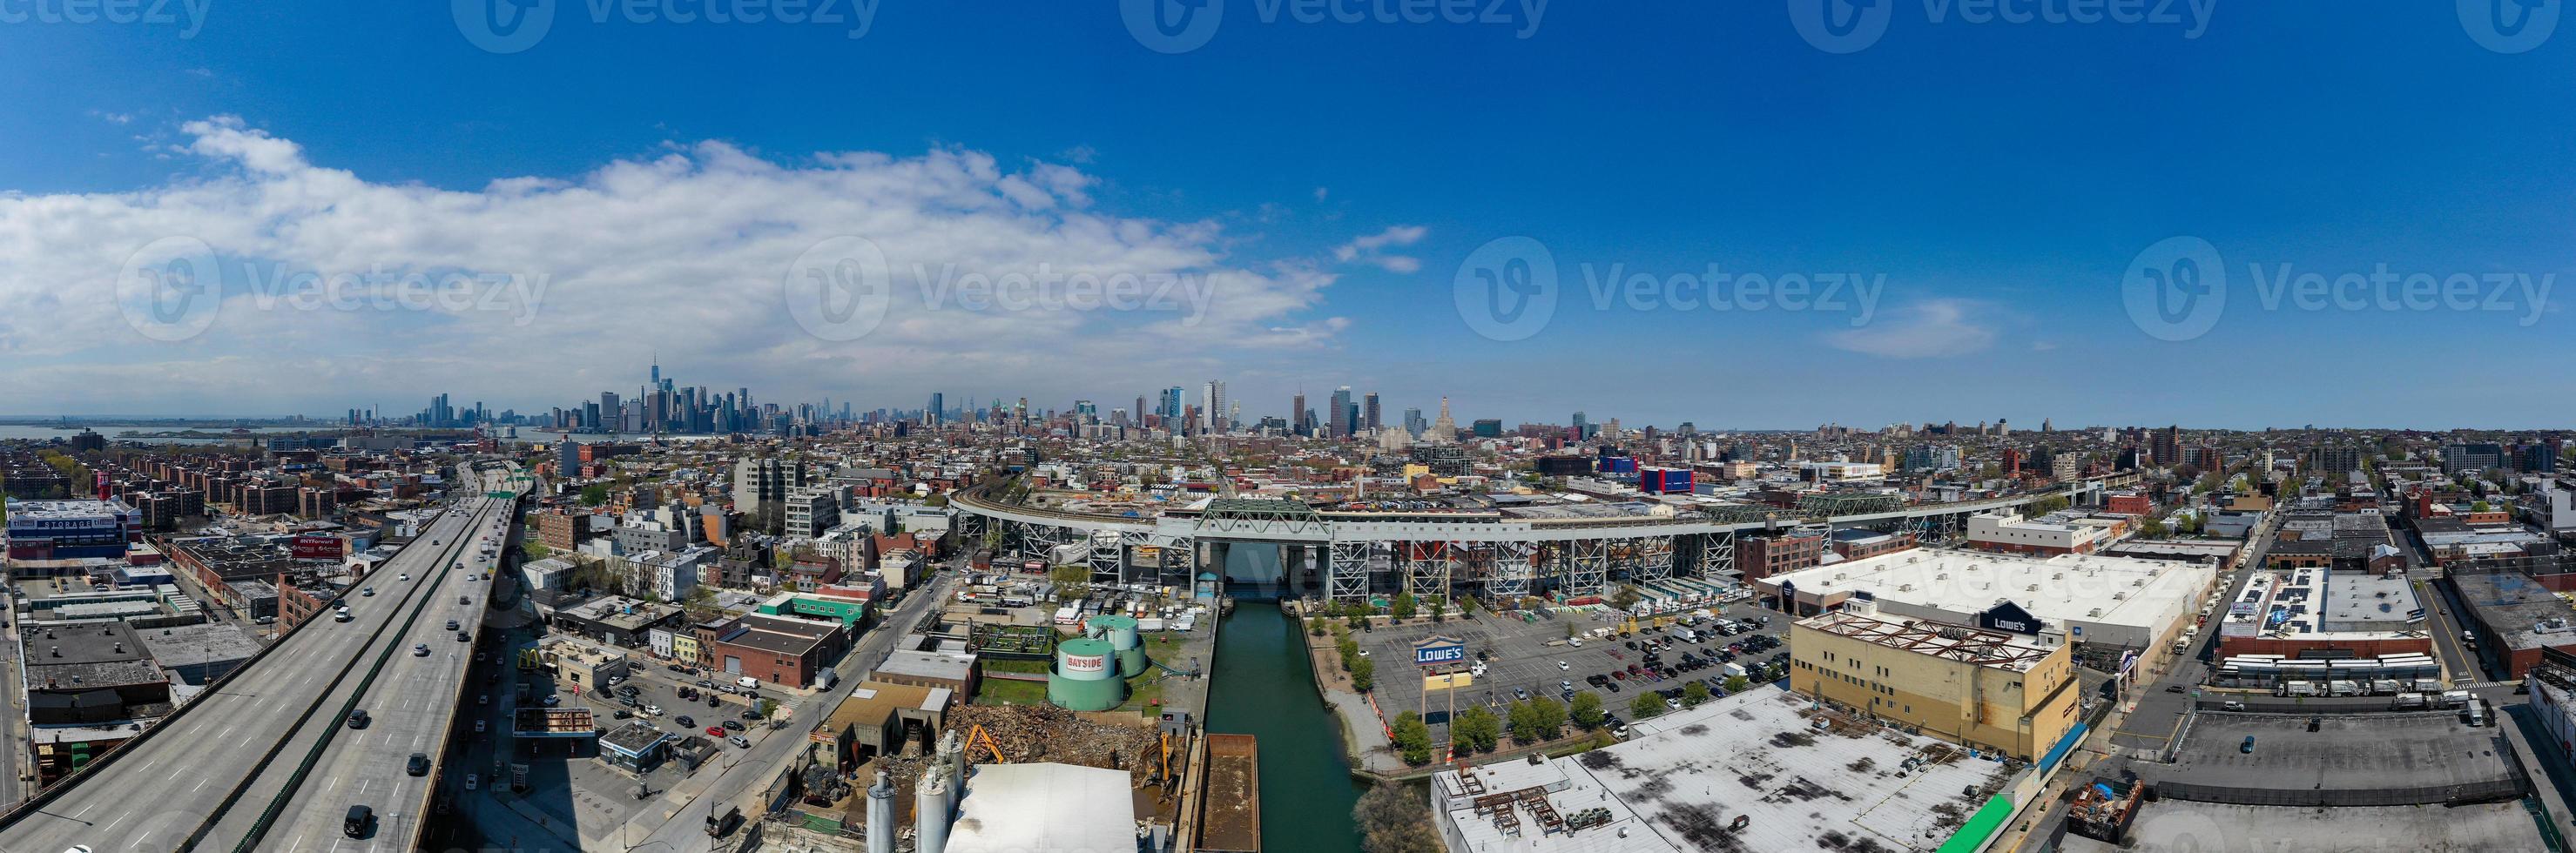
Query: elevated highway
300,801
1426,553
167,785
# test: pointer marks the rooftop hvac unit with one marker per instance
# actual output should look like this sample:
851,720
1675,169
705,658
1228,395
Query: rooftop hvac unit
1905,587
2119,596
2031,588
2096,614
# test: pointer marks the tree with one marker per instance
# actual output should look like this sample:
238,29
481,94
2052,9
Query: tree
1393,821
1694,693
768,707
1412,738
1645,705
1737,684
2046,505
1350,650
1069,574
594,495
1477,728
1364,675
1439,610
2152,528
1403,605
1536,720
1315,626
1624,599
1586,709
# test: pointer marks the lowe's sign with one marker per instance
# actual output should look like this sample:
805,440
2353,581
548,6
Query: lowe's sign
1434,650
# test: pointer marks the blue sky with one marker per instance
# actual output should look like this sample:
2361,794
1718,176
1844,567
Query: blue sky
1998,183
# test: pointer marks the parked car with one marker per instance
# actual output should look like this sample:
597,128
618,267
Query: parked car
685,722
740,741
716,731
735,725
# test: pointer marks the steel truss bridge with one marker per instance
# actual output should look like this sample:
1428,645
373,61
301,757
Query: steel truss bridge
1355,555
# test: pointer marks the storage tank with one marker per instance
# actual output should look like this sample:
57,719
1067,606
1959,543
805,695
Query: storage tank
930,811
1085,676
881,815
1120,631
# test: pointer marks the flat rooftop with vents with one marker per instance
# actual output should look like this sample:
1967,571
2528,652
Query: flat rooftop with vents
1744,774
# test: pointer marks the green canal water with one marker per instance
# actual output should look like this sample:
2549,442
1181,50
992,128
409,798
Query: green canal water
1263,688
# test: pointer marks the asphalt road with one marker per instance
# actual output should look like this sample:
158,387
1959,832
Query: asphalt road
160,789
412,703
684,829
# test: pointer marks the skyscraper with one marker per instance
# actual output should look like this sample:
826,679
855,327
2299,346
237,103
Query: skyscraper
938,408
1297,414
1212,396
1369,412
1341,413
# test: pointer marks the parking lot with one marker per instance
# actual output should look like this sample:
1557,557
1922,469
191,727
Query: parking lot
1517,655
569,783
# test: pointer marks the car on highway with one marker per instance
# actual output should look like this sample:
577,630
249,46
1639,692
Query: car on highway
418,765
369,592
341,615
420,650
451,624
464,599
2248,746
403,577
358,719
473,781
463,637
354,825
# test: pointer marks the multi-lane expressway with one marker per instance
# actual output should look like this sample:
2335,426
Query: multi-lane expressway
232,751
412,703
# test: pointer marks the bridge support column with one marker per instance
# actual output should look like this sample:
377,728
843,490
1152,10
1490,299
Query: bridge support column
1513,565
1587,566
1426,569
1346,572
1654,558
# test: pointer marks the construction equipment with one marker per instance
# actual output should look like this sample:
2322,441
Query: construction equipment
979,735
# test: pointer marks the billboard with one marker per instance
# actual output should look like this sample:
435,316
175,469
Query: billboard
1447,681
1436,650
318,547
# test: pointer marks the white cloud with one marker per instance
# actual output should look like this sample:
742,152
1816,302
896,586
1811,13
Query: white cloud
684,252
1935,328
1366,249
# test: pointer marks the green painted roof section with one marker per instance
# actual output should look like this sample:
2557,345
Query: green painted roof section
1980,827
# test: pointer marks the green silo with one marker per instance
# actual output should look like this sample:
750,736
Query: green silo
1085,676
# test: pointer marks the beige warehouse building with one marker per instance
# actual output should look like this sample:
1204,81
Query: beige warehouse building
1988,690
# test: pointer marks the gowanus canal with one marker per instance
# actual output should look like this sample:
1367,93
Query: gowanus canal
1264,688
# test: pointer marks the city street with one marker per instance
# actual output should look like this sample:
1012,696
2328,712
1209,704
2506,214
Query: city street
575,801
